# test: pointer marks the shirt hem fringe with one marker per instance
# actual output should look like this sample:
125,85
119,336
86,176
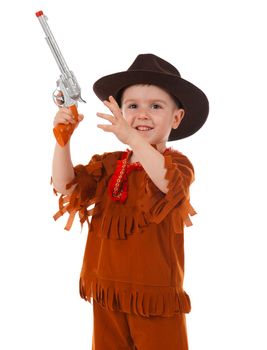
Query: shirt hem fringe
165,301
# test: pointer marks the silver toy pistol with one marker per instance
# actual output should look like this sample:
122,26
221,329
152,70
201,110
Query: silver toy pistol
68,91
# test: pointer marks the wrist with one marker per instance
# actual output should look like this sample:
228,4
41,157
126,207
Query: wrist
136,140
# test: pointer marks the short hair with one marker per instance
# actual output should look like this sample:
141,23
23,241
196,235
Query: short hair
120,93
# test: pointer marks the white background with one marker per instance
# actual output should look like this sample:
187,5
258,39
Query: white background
218,45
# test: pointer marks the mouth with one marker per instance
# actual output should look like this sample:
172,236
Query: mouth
143,128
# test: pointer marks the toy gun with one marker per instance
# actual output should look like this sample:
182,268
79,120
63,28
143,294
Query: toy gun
68,91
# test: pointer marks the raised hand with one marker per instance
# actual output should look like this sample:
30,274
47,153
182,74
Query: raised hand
119,125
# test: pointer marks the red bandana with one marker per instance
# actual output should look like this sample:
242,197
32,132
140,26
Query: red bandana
118,184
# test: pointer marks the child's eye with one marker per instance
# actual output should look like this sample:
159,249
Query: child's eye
156,106
133,105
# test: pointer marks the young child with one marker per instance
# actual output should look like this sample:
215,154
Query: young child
133,265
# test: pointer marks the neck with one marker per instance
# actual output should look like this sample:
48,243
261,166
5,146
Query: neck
159,147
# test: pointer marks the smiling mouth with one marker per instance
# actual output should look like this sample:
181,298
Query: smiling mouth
143,128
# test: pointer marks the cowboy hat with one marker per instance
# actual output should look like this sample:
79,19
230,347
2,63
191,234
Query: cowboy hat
151,69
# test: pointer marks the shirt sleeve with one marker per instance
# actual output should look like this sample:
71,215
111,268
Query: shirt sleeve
86,180
176,202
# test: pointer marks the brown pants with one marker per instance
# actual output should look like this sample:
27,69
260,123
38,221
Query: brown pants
121,331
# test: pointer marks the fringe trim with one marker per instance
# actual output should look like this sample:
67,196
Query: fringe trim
73,205
119,226
158,205
140,300
77,202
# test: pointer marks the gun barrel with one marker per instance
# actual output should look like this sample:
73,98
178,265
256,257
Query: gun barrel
53,44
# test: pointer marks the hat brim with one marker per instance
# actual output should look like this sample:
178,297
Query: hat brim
194,101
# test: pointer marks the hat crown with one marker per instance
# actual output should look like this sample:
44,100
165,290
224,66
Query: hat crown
150,62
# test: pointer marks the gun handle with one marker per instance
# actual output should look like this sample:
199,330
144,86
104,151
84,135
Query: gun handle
63,132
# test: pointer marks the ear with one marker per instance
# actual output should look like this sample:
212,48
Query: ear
177,117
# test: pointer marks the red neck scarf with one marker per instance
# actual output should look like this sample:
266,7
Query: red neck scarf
118,183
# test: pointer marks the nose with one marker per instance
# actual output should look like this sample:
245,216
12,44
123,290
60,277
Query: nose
143,113
142,116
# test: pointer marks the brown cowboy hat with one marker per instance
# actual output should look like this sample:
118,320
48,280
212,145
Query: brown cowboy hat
151,69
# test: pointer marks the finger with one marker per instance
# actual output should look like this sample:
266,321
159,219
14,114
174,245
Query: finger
106,116
112,99
65,110
65,115
105,127
59,93
64,119
59,98
66,122
114,102
59,103
113,106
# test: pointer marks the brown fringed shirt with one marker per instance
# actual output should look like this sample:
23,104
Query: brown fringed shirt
134,254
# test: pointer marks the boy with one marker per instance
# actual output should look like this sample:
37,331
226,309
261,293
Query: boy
133,264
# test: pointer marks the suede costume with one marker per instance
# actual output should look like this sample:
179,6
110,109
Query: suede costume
133,265
134,255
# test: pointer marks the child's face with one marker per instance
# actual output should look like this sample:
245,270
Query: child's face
151,106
